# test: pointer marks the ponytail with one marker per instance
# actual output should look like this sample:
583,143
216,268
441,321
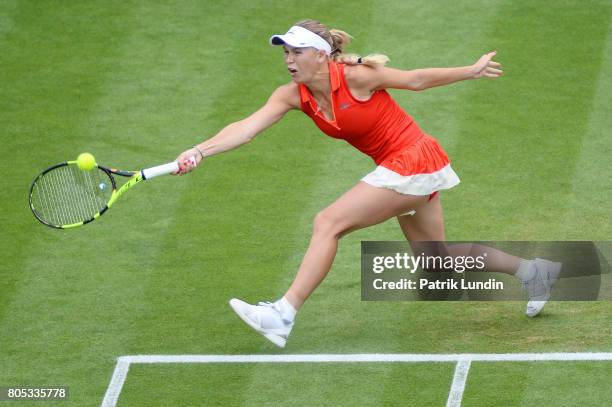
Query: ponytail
339,40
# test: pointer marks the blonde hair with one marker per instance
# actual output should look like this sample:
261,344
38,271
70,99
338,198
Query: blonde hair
339,40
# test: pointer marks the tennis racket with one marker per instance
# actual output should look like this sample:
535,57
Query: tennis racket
64,196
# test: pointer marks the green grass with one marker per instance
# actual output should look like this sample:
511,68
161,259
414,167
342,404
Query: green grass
137,82
491,383
295,384
538,384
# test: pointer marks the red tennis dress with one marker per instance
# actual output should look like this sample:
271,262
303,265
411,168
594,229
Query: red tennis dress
409,161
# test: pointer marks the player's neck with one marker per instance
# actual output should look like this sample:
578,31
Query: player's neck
320,84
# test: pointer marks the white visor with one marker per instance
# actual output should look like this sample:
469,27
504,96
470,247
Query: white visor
300,37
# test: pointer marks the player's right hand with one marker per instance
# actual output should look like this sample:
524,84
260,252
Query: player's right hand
188,160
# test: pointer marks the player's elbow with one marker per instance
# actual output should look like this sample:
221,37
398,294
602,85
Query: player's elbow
411,84
417,87
416,81
247,133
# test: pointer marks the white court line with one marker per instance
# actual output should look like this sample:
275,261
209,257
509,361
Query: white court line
456,392
116,384
463,361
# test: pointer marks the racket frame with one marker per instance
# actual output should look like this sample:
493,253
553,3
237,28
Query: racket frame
135,178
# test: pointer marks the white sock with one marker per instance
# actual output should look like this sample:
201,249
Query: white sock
526,270
286,309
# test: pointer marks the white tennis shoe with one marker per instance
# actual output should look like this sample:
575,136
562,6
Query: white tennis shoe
265,318
540,286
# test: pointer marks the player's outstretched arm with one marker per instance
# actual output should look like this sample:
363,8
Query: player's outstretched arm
421,79
241,132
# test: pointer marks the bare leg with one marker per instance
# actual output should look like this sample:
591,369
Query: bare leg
428,225
362,206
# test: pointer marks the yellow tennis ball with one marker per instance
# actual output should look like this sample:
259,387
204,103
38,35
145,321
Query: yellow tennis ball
86,162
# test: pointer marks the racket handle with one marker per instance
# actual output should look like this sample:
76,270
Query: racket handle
163,169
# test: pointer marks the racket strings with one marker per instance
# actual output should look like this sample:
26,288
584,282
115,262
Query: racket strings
68,195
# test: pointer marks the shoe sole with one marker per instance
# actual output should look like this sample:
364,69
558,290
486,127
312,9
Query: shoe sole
274,338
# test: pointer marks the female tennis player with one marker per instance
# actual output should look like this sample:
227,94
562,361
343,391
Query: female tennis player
345,96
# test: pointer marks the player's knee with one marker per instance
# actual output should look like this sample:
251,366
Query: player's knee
325,224
433,254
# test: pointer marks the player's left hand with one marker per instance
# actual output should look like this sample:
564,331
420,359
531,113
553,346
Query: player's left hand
486,67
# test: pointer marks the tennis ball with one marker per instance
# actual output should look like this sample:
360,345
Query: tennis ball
86,162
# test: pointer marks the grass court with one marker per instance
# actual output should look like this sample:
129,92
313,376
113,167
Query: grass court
137,82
